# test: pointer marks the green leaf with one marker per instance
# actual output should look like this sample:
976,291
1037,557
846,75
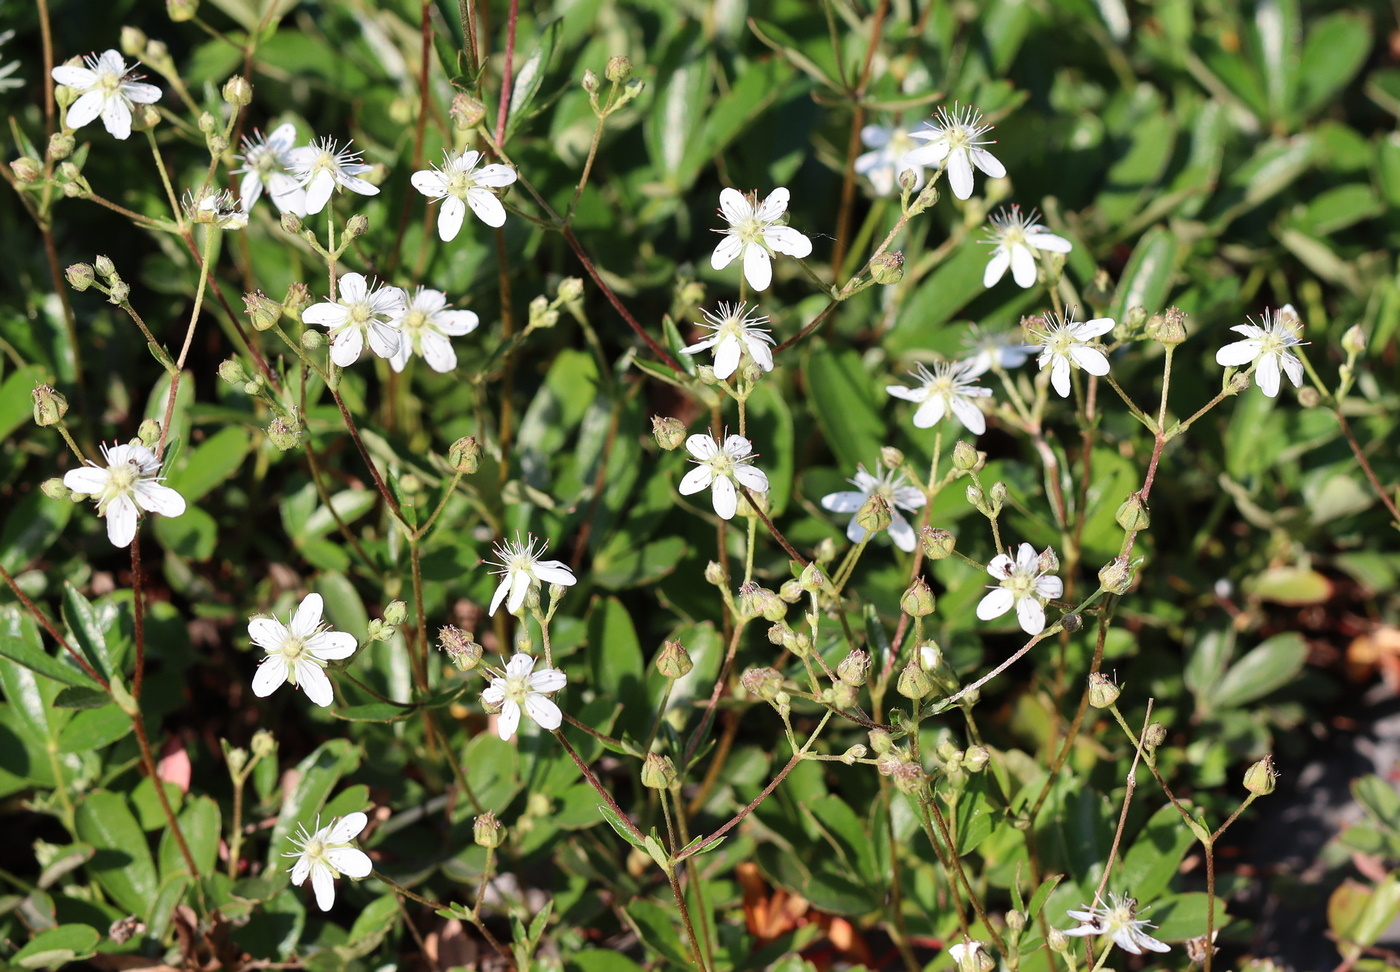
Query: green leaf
1336,49
58,946
1147,278
20,643
122,864
1150,863
193,535
748,96
1294,586
619,824
33,525
600,960
845,406
87,631
317,775
202,825
1268,667
91,729
16,403
1379,799
211,464
656,927
619,671
1183,916
373,712
623,564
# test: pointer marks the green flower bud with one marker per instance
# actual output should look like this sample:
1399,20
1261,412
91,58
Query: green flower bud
826,551
570,290
80,276
996,497
630,89
207,123
487,830
181,10
263,311
460,647
966,458
887,268
118,292
235,757
764,683
291,223
812,580
1261,778
105,268
976,758
714,573
938,544
395,613
464,455
61,145
880,741
854,753
658,772
148,432
669,432
891,458
1168,328
673,661
1132,515
1057,940
1354,340
466,111
284,433
909,778
132,41
55,489
619,69
854,668
542,315
917,601
1134,319
1116,576
49,405
907,179
1153,736
875,513
914,684
312,340
792,591
263,744
591,81
1102,692
237,91
1309,397
27,169
978,499
1016,921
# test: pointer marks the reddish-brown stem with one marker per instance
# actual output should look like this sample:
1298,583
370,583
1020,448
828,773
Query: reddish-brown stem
425,29
753,805
782,540
354,431
1366,466
613,299
506,71
593,782
149,761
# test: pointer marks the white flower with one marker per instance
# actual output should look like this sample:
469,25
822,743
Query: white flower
1266,345
221,209
359,314
106,91
323,165
1017,237
756,234
891,486
459,184
1120,922
734,332
883,165
266,165
720,467
948,388
1065,343
517,688
954,143
991,349
521,569
327,854
131,480
1025,584
298,652
426,324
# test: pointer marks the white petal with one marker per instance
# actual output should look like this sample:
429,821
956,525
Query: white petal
930,155
519,665
931,412
502,589
85,109
761,353
155,498
308,616
1090,359
345,829
725,252
702,446
384,340
1237,354
519,590
486,206
88,480
733,206
495,176
724,498
74,77
1049,241
969,415
357,185
350,861
325,314
450,216
548,680
1030,615
757,268
1050,587
121,521
116,117
1266,375
543,711
455,322
754,479
846,502
1000,566
269,676
1059,375
495,693
267,633
1023,266
509,720
727,354
324,886
1292,367
737,446
429,182
997,602
318,192
902,533
142,94
347,346
996,267
959,174
312,679
300,870
988,163
695,480
331,645
1098,327
554,572
909,498
907,393
774,206
785,239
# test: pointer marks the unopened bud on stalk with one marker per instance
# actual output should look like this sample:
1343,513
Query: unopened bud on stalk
909,778
1102,692
236,757
937,543
658,772
891,458
1134,319
619,69
1016,921
1153,736
148,433
55,489
237,91
764,683
262,310
1261,778
181,10
312,340
395,613
298,296
132,41
1116,576
464,455
61,145
1132,515
466,111
887,268
978,499
541,314
792,591
930,656
1354,340
769,605
1309,397
907,178
812,579
1168,328
917,601
753,372
291,223
914,683
874,514
49,405
630,89
1048,561
80,276
207,123
460,647
591,81
854,668
996,497
966,458
570,289
105,267
854,753
705,374
26,169
1057,940
118,292
263,744
487,830
673,661
976,758
880,741
357,225
714,573
1071,621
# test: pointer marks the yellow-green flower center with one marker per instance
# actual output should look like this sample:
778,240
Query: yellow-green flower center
750,230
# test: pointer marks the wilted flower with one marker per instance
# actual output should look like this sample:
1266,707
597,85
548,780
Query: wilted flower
327,853
1267,345
425,324
521,568
948,388
734,333
1025,585
298,652
756,233
1120,922
520,687
891,486
360,314
459,184
1017,238
1065,343
322,166
955,143
131,480
107,90
720,467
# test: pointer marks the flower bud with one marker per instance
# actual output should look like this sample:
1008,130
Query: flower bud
970,958
966,458
1057,940
105,267
887,268
996,497
825,551
619,69
291,223
1102,692
769,605
1309,397
854,753
658,772
938,544
464,455
977,499
753,373
880,741
792,591
1132,515
591,82
874,514
466,111
148,432
262,310
312,340
1260,778
27,169
914,683
891,458
1134,319
1071,621
1116,576
55,489
1048,561
80,276
237,91
854,668
1354,340
541,314
570,289
1016,921
118,291
1168,328
917,601
812,579
487,830
133,41
714,573
1153,736
976,758
461,648
673,661
181,10
909,778
236,757
764,683
907,179
263,744
669,432
49,405
395,613
705,374
930,656
630,89
207,122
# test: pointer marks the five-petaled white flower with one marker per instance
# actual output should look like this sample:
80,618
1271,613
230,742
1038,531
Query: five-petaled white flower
297,652
948,388
326,854
1017,236
1120,922
994,349
886,161
720,467
266,165
106,91
1026,584
1064,343
755,233
131,480
426,324
521,568
459,184
517,688
322,166
735,331
891,486
359,314
955,144
1267,345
